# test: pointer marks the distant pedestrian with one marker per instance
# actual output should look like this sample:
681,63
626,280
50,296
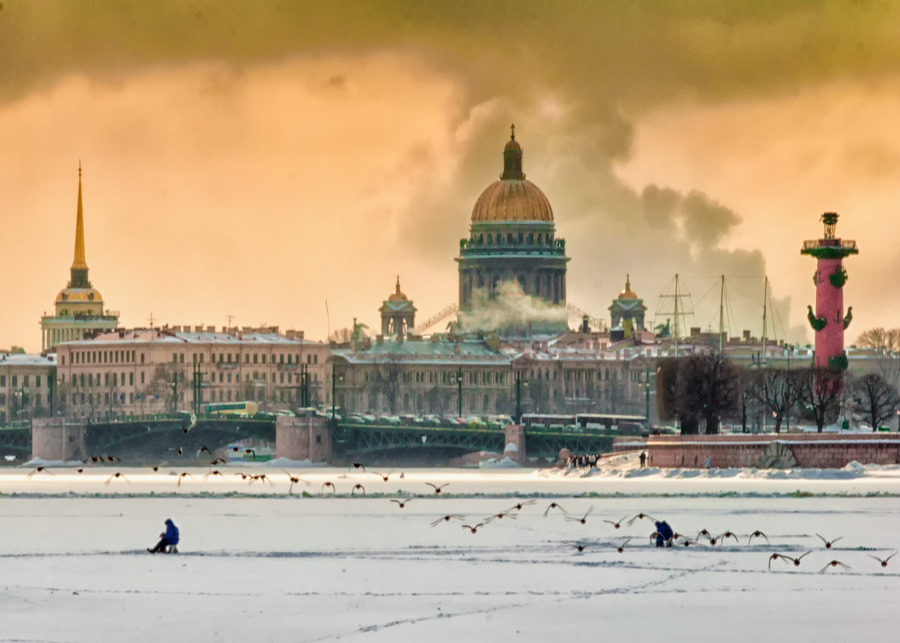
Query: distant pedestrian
643,459
664,534
707,462
168,540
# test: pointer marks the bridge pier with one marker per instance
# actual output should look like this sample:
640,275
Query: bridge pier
515,443
303,438
54,439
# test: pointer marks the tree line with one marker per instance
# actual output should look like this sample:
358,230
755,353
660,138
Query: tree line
702,391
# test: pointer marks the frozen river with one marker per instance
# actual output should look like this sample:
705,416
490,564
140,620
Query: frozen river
260,564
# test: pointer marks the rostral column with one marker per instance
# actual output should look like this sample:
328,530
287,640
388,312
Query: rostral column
829,320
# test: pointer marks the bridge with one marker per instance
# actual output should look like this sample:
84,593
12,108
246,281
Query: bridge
173,438
361,439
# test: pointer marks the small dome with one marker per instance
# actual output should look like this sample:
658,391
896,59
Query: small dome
628,293
79,295
397,295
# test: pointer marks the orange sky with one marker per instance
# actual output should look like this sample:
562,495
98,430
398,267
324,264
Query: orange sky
255,161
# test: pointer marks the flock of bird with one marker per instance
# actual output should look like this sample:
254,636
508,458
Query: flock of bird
704,537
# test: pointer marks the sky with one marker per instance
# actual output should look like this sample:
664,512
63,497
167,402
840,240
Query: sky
246,163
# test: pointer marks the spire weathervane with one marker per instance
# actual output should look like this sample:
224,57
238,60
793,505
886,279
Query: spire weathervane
512,132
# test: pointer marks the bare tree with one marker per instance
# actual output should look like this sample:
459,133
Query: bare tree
341,336
707,388
886,344
874,398
387,379
820,391
778,391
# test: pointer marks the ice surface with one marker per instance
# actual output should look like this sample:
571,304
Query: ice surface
260,564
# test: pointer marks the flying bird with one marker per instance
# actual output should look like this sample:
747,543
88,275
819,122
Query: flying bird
251,453
214,472
178,450
262,478
834,563
829,543
437,489
204,448
157,466
518,507
39,470
583,519
243,476
401,503
883,562
327,484
183,475
554,505
384,476
447,518
703,532
723,536
580,545
359,466
113,458
473,529
641,515
116,476
621,548
616,524
501,515
785,558
757,534
295,480
218,461
358,487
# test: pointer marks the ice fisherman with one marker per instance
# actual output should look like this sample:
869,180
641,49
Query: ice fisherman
664,534
168,540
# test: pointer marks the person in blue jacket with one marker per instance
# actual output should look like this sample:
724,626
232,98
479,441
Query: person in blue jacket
168,540
664,534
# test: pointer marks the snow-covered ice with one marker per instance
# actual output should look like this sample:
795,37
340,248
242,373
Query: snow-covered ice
260,564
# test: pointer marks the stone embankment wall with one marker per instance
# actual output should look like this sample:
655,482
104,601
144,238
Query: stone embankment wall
784,450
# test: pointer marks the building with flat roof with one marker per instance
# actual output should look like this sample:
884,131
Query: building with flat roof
26,386
160,370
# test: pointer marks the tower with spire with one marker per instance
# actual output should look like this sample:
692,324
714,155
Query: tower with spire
78,307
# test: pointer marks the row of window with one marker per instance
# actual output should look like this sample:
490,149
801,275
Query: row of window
32,399
129,357
26,381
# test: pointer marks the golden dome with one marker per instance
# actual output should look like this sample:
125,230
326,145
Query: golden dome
512,201
628,293
512,198
91,295
397,295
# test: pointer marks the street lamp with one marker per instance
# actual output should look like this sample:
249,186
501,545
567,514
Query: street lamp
459,381
333,383
520,382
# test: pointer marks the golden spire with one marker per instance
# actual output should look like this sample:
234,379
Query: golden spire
79,262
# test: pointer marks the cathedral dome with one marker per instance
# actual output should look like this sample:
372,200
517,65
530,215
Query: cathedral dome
628,293
512,198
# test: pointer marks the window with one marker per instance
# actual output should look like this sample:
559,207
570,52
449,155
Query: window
142,377
131,379
2,380
15,381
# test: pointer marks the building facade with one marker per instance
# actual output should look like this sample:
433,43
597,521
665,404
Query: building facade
148,371
512,240
79,308
26,386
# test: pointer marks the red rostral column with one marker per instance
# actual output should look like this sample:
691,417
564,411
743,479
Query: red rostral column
829,320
